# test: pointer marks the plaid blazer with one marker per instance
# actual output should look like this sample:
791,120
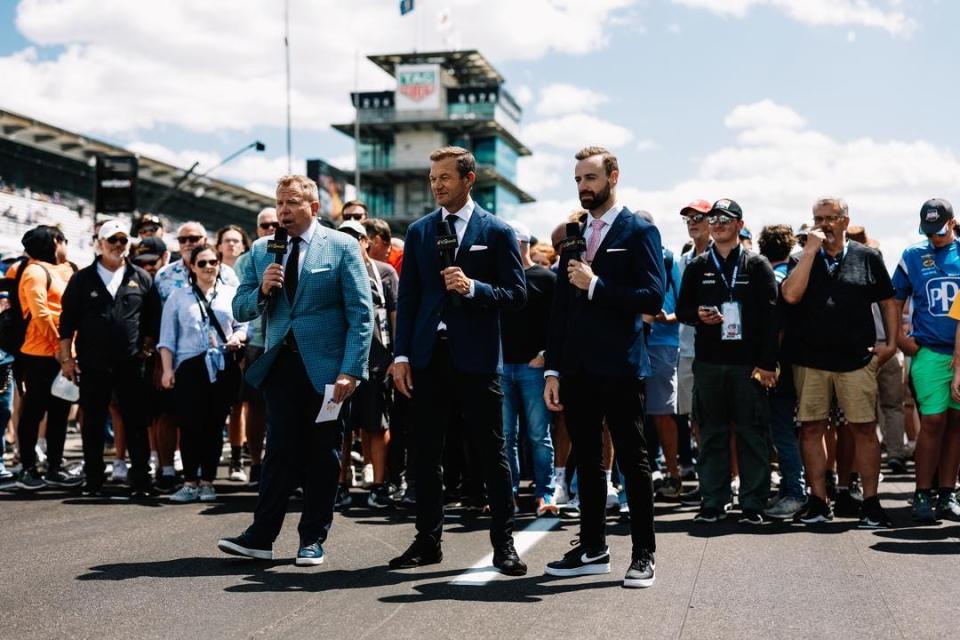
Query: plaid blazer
331,316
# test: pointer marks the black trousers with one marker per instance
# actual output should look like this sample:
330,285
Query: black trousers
38,374
203,407
97,388
299,452
441,396
587,400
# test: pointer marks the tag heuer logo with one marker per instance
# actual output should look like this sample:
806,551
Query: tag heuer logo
416,85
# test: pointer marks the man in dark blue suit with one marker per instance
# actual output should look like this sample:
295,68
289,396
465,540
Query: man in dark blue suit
597,360
448,353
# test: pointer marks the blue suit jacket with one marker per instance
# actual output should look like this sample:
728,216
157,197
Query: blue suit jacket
490,256
604,336
331,316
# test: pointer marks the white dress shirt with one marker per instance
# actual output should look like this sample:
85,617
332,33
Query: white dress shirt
111,279
306,237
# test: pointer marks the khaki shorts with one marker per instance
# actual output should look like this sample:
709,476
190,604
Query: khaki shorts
685,386
856,393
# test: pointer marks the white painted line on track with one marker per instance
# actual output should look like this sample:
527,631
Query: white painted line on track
483,572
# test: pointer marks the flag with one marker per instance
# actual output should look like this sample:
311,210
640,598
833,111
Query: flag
406,6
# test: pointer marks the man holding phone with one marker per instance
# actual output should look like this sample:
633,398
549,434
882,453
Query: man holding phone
730,295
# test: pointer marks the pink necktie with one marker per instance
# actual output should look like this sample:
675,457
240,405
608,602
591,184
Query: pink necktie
594,243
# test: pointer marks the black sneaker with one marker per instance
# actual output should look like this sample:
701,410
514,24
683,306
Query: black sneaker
831,479
379,497
30,480
847,505
710,515
897,465
60,478
691,498
343,499
872,515
816,510
581,561
92,490
253,481
166,483
244,545
418,554
642,571
508,561
751,516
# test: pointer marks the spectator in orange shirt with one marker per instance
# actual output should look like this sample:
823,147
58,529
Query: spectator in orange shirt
44,278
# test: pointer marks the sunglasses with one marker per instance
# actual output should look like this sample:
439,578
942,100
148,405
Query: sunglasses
202,264
266,226
696,218
150,228
189,239
121,240
720,220
353,216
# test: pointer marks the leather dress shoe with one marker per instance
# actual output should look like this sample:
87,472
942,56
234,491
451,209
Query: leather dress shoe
417,555
508,561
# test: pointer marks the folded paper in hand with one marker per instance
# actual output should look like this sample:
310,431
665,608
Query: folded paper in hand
330,409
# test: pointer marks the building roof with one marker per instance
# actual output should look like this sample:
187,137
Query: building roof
34,133
468,67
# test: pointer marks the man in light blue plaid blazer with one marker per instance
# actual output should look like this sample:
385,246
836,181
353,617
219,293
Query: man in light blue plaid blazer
318,319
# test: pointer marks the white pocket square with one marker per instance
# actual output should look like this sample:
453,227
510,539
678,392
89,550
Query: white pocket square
320,270
478,247
614,250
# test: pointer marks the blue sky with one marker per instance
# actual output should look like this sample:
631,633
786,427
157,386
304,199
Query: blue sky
771,102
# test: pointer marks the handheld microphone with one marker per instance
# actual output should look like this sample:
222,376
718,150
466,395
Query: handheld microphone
571,248
447,247
278,247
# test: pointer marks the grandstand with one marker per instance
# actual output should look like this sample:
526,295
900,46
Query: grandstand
47,177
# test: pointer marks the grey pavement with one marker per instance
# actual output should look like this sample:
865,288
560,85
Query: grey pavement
76,568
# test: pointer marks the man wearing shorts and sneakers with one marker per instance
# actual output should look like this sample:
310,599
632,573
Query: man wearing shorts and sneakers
929,275
831,341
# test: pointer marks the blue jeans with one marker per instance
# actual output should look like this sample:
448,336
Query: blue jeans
784,436
523,388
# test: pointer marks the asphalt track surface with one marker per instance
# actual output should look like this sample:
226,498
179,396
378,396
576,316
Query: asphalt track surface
109,568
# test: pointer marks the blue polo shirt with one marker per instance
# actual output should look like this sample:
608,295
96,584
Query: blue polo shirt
930,277
663,334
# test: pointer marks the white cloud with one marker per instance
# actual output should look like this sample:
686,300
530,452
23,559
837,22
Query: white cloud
543,171
647,145
778,167
560,99
523,95
867,13
218,64
574,131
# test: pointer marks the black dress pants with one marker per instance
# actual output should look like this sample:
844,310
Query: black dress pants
587,399
442,395
97,387
38,374
298,451
203,407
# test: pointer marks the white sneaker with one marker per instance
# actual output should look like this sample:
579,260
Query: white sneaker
154,463
367,476
613,496
41,451
571,509
560,494
186,493
237,474
177,461
119,473
207,493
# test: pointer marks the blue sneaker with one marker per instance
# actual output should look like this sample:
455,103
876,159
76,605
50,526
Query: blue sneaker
310,555
924,506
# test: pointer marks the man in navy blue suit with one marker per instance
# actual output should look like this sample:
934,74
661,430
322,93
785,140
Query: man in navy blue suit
448,353
597,360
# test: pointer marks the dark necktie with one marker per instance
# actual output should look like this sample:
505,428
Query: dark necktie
291,273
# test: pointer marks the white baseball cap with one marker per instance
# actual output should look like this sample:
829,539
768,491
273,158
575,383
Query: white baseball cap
112,228
521,230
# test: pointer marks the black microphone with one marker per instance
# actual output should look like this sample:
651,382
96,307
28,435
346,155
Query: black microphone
571,248
278,247
447,247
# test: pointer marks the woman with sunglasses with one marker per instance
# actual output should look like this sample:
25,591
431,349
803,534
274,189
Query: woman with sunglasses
42,280
199,339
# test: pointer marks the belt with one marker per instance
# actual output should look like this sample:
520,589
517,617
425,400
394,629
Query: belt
442,335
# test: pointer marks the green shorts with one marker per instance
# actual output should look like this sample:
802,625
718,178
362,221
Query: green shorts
931,376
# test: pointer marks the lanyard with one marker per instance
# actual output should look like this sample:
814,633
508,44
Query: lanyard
832,267
723,276
378,282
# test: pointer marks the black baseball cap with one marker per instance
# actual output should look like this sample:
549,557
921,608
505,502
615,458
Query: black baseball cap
726,207
149,250
934,215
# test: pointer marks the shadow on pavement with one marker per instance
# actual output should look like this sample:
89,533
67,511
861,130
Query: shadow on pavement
180,568
920,540
530,589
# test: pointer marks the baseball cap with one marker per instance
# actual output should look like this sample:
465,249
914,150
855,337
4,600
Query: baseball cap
521,230
727,207
934,215
149,250
111,228
697,206
352,227
745,234
149,219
